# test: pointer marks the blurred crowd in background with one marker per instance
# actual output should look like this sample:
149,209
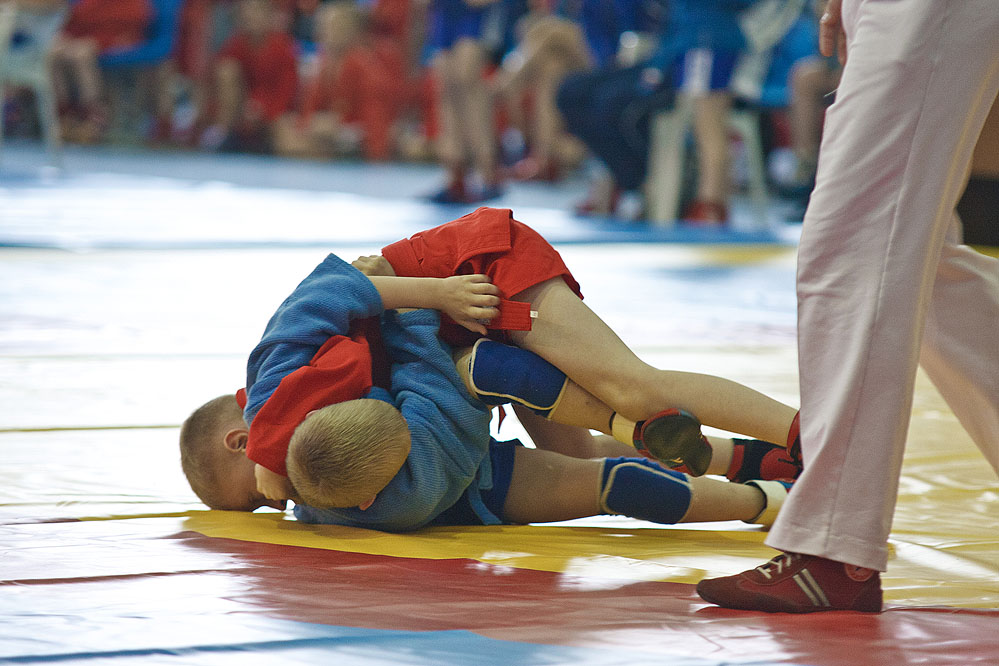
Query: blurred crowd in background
493,90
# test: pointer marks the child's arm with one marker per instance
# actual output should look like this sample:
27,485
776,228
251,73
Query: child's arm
469,300
272,485
323,306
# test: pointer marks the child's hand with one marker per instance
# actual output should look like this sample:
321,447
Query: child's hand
470,300
373,264
273,486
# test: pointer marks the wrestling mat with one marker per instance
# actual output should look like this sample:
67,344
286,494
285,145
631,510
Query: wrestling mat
116,322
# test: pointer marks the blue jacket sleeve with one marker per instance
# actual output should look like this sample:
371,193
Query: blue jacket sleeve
449,431
321,306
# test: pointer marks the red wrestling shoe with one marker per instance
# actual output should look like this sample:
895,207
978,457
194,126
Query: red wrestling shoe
599,202
673,437
793,583
794,441
756,459
452,193
705,214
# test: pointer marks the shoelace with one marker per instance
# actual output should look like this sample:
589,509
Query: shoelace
785,559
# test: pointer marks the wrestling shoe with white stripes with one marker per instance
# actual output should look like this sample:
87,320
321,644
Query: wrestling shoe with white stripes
793,583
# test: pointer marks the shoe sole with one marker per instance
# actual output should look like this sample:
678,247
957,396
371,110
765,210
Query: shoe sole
678,441
764,604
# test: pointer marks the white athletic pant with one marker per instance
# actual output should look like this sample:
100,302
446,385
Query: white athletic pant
880,262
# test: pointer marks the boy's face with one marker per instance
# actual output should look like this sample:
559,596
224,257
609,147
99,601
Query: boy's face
239,485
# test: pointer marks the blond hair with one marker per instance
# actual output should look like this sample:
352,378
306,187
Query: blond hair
344,454
200,447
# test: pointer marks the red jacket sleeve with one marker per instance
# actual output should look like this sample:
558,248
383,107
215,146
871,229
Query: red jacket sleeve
340,371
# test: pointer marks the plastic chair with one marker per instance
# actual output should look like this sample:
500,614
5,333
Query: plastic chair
25,42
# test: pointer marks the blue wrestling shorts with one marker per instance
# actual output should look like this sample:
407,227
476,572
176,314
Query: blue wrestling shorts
501,455
700,71
451,21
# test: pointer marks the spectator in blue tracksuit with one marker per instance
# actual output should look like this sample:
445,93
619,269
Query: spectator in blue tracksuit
695,53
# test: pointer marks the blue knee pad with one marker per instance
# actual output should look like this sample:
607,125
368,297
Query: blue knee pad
640,488
502,373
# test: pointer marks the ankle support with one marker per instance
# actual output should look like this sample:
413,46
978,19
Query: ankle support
502,373
774,494
640,488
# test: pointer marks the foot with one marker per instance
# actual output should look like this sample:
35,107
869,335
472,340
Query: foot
530,168
213,138
755,459
673,437
452,193
702,213
481,193
602,200
793,583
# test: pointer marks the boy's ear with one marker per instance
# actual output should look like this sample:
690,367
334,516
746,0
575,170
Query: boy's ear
367,503
235,439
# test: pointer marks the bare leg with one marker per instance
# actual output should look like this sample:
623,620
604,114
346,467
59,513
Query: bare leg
547,487
449,148
569,335
83,61
230,93
811,80
474,104
711,499
711,134
569,440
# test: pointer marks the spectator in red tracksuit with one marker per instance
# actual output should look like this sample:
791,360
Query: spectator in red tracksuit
93,27
256,79
353,100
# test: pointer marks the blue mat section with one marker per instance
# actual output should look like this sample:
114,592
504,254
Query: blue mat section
284,642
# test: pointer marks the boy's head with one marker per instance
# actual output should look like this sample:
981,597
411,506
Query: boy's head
212,455
345,454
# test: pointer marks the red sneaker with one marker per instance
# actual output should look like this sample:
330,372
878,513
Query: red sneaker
793,583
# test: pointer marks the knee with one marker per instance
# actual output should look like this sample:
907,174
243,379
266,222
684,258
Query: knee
638,404
468,63
630,399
